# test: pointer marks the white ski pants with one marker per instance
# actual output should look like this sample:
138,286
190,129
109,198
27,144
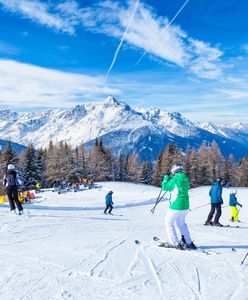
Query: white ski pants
177,217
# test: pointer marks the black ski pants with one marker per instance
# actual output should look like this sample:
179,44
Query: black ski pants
108,207
12,194
214,208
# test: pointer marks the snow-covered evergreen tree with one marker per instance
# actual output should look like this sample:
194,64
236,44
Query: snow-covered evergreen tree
146,172
30,171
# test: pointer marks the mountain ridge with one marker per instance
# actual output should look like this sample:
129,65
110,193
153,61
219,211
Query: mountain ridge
121,127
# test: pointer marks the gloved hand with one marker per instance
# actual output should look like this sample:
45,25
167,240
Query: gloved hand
166,178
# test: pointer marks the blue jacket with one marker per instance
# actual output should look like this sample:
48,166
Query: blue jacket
233,201
109,199
215,193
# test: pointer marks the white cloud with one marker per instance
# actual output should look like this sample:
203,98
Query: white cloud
145,33
29,86
234,94
6,48
206,62
41,13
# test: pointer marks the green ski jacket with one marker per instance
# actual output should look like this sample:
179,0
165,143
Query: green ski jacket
178,187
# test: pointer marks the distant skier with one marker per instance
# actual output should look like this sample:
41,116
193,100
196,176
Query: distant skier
178,187
233,202
109,203
215,194
11,181
228,184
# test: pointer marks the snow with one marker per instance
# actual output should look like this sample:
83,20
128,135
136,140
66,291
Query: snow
66,248
88,121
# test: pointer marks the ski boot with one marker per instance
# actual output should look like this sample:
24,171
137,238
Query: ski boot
217,224
191,246
208,223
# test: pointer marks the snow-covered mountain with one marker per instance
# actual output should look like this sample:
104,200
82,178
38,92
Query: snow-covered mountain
121,128
237,131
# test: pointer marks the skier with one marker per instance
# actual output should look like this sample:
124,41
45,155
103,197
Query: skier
233,202
215,194
11,181
228,184
178,187
109,203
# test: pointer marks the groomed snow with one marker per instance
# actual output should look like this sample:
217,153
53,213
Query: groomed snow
66,248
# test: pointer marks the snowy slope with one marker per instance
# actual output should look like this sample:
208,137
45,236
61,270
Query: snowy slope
68,249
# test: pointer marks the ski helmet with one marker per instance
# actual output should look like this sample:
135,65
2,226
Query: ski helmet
176,168
110,192
233,192
219,179
11,167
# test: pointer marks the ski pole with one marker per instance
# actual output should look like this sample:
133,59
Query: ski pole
158,200
244,259
199,206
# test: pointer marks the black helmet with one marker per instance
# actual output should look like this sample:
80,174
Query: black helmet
110,192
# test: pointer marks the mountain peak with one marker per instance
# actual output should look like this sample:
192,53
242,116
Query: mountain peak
111,101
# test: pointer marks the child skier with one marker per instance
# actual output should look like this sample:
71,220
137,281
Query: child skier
11,181
178,187
109,203
233,202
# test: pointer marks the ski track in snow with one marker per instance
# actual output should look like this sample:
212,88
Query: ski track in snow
71,252
92,271
198,280
184,280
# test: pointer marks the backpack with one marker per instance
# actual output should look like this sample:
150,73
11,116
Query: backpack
11,180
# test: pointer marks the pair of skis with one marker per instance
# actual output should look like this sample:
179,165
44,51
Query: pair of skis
168,246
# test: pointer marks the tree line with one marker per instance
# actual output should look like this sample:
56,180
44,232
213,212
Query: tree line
60,162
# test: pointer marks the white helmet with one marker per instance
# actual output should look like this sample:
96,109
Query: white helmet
11,167
233,191
176,168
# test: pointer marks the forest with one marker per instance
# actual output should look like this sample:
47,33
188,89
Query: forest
61,163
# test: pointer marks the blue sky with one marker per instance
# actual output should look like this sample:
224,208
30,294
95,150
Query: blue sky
55,54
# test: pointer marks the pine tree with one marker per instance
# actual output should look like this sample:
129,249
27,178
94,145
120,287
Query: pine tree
101,162
146,172
131,168
242,174
120,168
168,158
30,170
158,175
52,170
203,163
215,161
186,161
228,170
194,176
40,161
9,156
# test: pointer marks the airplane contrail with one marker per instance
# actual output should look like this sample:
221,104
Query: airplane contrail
163,31
122,39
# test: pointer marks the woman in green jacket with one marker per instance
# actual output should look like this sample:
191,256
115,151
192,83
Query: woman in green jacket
178,186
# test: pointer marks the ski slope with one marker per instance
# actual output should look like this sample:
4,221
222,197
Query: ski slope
66,248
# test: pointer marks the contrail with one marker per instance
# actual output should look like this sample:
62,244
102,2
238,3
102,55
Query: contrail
123,37
163,31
